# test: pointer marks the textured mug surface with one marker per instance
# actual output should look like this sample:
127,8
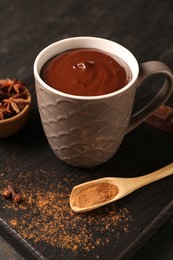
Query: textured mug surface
85,131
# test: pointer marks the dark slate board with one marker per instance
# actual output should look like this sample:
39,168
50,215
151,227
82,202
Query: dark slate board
30,165
26,159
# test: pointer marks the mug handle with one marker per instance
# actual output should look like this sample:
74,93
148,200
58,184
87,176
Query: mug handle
147,69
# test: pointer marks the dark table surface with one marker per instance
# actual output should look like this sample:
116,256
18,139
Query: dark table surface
144,27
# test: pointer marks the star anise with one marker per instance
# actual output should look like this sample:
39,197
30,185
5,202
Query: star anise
16,102
11,86
13,97
3,112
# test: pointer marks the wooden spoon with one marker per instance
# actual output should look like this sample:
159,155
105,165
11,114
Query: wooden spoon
124,185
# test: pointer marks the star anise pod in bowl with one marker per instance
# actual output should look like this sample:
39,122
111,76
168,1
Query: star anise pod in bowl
3,112
15,102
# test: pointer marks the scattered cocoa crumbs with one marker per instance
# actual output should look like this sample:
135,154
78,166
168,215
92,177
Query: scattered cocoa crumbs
44,217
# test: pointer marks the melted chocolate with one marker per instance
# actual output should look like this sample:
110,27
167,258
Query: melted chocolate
85,72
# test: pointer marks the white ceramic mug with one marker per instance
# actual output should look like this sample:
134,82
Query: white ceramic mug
87,131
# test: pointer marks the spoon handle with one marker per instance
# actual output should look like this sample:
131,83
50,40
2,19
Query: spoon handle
138,182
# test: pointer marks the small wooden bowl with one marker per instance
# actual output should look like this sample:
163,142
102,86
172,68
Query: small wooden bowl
12,125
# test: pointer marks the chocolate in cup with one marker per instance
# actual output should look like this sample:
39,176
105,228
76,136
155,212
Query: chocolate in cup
86,131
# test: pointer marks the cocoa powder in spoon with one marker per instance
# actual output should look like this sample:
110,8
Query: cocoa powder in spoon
95,194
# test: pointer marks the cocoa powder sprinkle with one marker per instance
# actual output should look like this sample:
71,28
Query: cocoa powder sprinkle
44,217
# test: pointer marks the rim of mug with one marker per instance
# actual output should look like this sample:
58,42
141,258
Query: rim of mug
78,38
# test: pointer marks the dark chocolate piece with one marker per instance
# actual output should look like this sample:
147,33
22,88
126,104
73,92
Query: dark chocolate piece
162,118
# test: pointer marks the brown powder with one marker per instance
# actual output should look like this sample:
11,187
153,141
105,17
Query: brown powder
44,218
95,194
